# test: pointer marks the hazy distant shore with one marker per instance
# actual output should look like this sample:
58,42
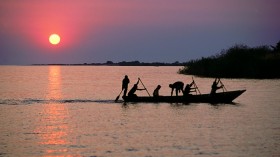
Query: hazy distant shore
123,63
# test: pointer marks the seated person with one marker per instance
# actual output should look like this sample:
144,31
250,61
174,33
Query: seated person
132,91
156,91
188,89
178,86
215,86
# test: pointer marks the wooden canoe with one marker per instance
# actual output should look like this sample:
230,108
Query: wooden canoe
222,97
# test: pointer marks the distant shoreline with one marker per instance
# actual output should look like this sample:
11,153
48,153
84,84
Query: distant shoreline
123,63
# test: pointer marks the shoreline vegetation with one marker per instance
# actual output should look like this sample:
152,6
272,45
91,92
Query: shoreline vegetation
239,61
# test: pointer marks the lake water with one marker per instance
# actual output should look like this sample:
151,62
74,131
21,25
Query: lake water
55,111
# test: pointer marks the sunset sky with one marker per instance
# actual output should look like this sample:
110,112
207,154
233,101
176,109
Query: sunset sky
128,30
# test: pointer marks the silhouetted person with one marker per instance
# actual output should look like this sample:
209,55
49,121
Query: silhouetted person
125,83
132,91
188,89
215,86
156,91
178,86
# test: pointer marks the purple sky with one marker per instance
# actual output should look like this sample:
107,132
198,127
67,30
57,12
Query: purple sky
128,30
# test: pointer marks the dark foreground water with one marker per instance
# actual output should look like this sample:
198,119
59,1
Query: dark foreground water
57,111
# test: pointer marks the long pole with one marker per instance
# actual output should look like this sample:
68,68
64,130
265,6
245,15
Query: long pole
223,85
144,86
196,88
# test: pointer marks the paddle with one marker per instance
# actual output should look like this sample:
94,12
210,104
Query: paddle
117,98
224,88
195,86
144,86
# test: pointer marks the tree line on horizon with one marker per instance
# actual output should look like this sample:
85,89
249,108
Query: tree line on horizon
137,63
239,61
123,63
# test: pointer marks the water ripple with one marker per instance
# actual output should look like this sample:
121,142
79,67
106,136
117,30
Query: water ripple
51,101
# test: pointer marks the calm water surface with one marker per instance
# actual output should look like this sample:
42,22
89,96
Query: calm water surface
70,111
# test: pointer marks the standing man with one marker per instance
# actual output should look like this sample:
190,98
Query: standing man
125,83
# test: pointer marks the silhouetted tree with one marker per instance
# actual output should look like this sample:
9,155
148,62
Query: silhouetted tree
109,62
239,61
276,48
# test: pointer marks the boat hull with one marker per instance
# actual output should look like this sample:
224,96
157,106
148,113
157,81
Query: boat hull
223,97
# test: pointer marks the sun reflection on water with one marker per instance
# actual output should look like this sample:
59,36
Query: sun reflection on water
53,129
54,83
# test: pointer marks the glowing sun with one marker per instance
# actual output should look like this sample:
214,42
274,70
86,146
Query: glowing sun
54,39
